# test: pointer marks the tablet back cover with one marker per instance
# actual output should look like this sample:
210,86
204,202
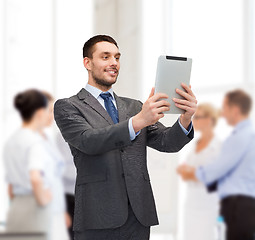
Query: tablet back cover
171,72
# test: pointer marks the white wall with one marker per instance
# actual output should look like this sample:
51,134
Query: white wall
2,185
41,47
121,19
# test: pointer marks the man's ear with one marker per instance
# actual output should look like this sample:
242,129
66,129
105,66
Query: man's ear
87,63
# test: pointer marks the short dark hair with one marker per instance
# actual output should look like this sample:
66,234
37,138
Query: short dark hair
240,99
89,45
28,102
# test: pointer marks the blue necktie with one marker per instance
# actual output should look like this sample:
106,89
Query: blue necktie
111,109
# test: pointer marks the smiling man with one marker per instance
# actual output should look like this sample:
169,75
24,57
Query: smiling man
108,136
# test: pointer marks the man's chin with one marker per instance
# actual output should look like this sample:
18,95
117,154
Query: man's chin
106,82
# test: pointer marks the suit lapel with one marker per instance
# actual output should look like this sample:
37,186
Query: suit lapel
93,103
122,110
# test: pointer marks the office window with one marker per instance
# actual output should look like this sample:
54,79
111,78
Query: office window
212,33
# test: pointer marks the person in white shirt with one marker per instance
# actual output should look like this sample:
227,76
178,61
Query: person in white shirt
55,170
25,168
200,207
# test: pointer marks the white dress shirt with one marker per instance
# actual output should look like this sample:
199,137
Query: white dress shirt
200,208
23,152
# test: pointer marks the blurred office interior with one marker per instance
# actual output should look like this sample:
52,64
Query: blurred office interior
41,47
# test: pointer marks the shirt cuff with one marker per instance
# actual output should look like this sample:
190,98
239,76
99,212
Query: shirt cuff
132,133
184,129
200,175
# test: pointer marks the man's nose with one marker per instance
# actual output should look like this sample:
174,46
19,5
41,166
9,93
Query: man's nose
113,61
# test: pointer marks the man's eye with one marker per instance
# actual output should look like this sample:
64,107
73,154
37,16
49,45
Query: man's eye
117,58
105,57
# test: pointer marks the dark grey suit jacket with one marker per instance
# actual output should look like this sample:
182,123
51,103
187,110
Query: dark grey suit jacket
110,167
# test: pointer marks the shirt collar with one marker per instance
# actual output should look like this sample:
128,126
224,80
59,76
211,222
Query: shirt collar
96,92
242,124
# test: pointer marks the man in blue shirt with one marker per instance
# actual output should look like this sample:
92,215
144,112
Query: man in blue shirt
233,171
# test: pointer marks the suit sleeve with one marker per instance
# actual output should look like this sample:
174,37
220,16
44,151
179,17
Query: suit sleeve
79,133
167,139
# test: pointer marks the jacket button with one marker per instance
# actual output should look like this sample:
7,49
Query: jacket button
122,150
123,175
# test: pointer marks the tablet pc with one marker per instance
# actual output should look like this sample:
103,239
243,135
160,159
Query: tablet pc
171,72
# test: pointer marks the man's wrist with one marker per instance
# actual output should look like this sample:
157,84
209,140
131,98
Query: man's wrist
185,122
138,123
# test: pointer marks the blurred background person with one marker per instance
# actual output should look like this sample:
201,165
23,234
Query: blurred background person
69,178
200,207
26,168
232,172
55,170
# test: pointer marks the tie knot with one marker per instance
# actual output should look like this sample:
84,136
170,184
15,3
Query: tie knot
106,95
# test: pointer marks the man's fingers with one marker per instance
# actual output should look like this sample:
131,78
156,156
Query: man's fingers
160,115
155,97
186,95
162,109
158,96
188,89
152,92
183,102
161,103
183,107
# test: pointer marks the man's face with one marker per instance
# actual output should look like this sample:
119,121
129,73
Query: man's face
104,65
228,112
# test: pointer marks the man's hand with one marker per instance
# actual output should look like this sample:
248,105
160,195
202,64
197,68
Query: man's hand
187,172
152,111
189,105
